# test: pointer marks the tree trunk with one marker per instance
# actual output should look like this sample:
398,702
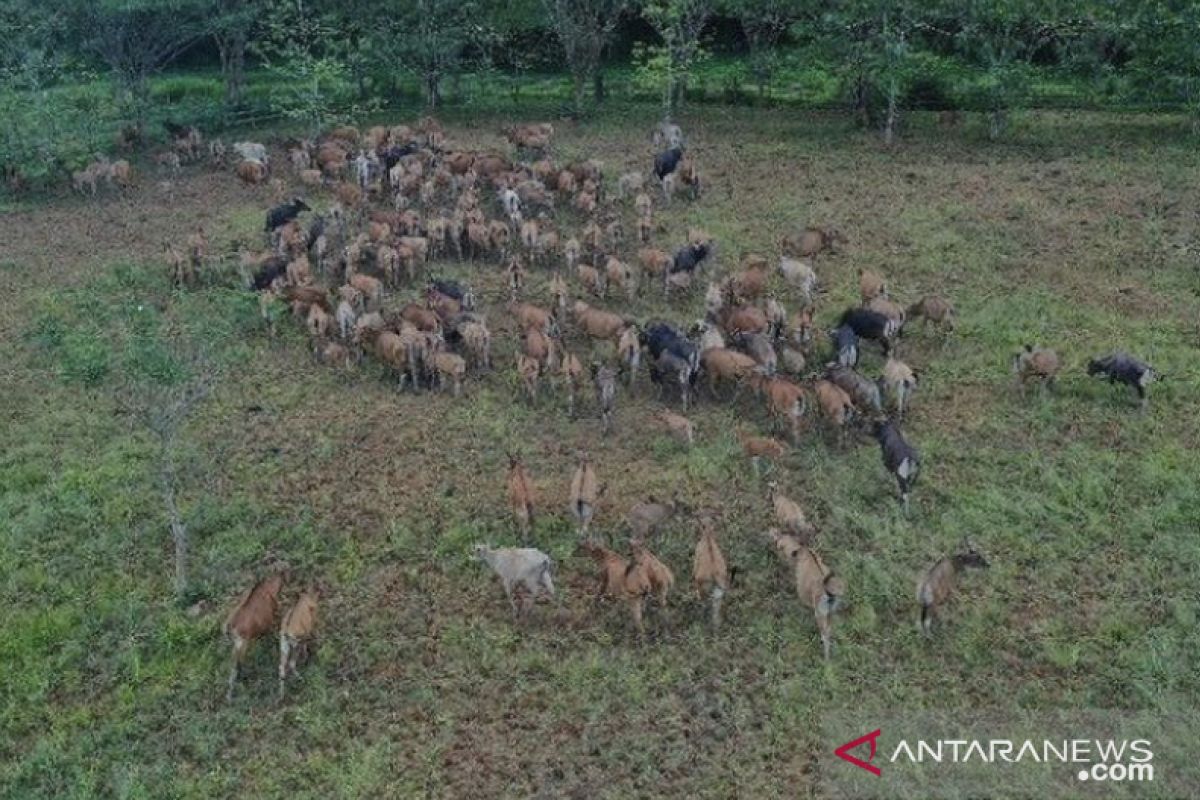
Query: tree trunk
179,534
580,87
232,50
598,91
998,122
860,102
433,90
889,127
673,95
139,92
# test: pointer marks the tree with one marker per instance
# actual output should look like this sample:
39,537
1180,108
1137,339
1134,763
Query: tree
584,27
764,22
165,386
232,24
679,24
435,37
137,38
40,135
875,41
1002,36
1164,40
305,50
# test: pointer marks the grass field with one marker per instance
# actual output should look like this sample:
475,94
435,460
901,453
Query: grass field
1079,233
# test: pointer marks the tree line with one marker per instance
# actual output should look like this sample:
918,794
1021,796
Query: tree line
339,57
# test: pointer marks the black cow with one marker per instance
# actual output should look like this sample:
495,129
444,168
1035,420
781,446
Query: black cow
689,257
666,162
281,215
868,324
899,457
273,268
672,355
391,156
845,345
1124,368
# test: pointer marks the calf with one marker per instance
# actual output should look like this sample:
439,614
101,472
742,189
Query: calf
759,447
645,518
811,242
571,370
605,378
450,368
710,575
836,406
899,381
659,576
679,426
871,285
295,633
251,173
529,370
689,258
621,580
937,584
597,323
801,275
937,310
669,368
788,513
1036,363
630,184
629,350
785,400
585,491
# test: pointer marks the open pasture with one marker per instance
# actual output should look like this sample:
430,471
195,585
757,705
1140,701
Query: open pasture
421,683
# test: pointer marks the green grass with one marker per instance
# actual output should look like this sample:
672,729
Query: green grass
1069,235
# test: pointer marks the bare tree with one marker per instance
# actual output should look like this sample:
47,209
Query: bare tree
161,404
679,23
584,27
137,38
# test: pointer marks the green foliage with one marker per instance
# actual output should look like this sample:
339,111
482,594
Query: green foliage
1002,37
1163,38
310,60
673,61
584,28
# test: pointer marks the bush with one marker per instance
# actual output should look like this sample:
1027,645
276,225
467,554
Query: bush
48,131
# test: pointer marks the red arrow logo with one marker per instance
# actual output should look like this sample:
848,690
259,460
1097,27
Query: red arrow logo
843,752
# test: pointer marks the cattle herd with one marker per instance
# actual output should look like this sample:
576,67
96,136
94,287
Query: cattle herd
406,197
